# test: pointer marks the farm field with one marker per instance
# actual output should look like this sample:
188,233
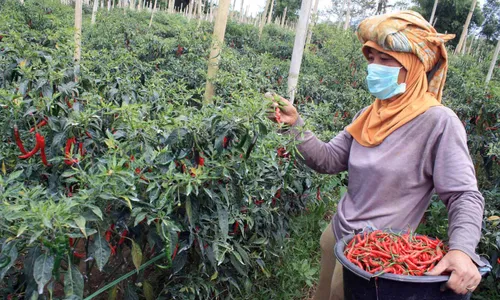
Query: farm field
140,184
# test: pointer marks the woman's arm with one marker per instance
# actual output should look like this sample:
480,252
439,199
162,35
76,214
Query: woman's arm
455,183
326,158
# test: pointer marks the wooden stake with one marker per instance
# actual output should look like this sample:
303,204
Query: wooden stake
298,48
94,11
78,37
466,27
215,53
493,63
263,18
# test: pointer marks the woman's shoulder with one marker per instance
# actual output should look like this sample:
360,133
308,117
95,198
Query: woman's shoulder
439,113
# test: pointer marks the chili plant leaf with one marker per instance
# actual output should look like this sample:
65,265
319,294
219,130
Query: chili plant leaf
136,255
44,265
7,258
148,290
73,282
100,250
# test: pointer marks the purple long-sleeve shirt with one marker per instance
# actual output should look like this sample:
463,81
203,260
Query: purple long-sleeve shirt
390,185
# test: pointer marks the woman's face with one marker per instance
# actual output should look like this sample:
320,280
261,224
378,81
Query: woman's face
380,58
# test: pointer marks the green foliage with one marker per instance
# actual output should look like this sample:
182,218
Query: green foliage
152,170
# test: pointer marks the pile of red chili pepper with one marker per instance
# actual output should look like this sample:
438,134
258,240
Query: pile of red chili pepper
380,252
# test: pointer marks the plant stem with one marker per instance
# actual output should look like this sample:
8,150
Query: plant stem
145,265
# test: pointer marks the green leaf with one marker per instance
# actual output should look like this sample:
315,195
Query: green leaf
13,176
80,222
21,230
189,210
136,255
73,282
148,290
113,293
223,221
7,257
44,265
96,210
130,293
214,276
100,250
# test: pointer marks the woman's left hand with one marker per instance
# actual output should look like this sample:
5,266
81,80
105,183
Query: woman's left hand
465,276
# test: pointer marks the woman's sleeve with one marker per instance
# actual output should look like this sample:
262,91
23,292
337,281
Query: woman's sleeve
326,158
455,183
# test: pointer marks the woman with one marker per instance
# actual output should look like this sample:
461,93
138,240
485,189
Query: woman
399,150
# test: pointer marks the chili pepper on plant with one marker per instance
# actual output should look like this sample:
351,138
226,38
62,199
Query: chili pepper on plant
34,151
39,125
123,236
18,140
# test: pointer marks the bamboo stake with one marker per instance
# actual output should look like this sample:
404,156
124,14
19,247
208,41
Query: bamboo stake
347,15
283,18
152,14
78,37
298,48
94,11
493,63
215,53
433,11
314,19
466,26
270,15
242,14
263,18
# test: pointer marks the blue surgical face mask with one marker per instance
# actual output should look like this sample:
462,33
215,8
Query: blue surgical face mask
383,81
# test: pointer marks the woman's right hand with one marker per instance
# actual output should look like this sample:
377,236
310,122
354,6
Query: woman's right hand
287,113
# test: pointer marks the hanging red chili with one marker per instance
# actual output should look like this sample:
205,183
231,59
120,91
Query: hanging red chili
19,142
122,237
32,152
69,160
39,125
78,255
225,142
41,142
201,161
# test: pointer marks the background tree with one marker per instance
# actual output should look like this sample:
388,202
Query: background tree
451,15
359,10
491,26
293,7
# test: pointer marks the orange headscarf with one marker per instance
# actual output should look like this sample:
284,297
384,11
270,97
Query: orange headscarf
412,41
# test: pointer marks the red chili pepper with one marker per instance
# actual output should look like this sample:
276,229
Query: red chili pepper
81,150
71,242
278,115
41,142
122,237
19,142
175,251
225,142
88,134
39,125
32,152
113,250
201,161
69,160
318,194
235,227
78,254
